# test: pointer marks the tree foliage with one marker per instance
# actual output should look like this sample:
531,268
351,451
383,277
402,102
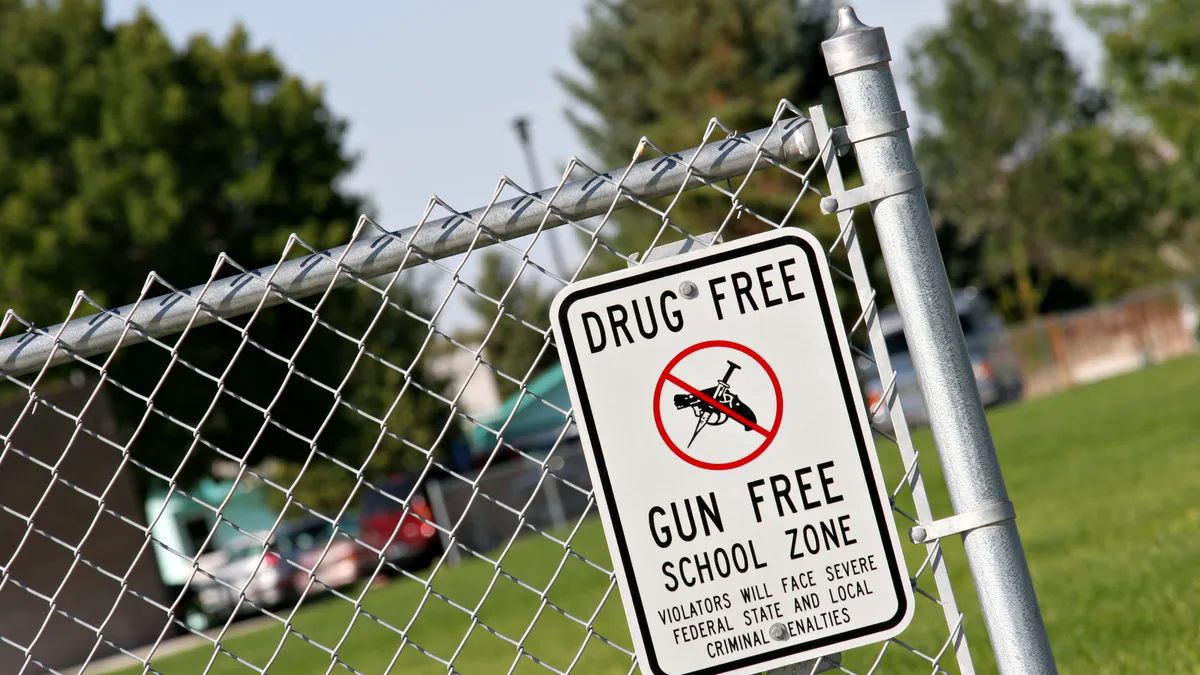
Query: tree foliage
663,68
121,153
1153,66
994,85
1019,155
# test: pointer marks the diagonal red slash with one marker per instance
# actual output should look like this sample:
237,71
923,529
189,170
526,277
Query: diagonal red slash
713,402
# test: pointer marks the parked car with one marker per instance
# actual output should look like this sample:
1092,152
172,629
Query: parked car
416,543
303,544
267,585
989,344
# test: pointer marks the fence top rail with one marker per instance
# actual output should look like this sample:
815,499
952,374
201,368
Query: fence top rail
787,140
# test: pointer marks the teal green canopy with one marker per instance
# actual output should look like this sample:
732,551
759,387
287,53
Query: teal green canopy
533,417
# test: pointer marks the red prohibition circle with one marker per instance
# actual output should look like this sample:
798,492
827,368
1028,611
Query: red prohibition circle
768,436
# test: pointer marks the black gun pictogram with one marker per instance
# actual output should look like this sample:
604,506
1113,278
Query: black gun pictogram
707,413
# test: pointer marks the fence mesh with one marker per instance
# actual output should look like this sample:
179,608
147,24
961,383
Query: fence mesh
492,564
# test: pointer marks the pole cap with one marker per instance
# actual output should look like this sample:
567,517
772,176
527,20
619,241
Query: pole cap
854,45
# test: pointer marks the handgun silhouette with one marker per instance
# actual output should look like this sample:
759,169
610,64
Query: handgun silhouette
720,393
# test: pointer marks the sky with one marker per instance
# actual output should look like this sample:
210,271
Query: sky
431,87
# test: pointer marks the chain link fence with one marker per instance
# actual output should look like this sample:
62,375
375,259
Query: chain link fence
493,566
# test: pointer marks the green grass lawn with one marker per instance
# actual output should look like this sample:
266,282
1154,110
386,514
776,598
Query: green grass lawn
1106,482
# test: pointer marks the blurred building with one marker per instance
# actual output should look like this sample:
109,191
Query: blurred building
456,365
1060,351
52,475
537,423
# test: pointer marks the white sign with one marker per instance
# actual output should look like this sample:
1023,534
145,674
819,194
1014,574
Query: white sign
732,461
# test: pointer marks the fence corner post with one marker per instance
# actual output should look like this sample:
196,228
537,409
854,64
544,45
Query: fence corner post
437,502
857,57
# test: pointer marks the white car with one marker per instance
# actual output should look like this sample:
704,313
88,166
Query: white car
993,357
267,585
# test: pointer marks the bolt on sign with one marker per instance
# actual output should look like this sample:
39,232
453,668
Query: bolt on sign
733,464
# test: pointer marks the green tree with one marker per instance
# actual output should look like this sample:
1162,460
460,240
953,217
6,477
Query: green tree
1152,64
1101,214
121,154
1017,153
663,68
512,322
994,85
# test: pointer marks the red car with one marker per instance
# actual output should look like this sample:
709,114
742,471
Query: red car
410,545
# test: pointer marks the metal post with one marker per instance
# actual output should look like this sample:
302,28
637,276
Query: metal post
554,505
521,126
441,516
1190,311
857,57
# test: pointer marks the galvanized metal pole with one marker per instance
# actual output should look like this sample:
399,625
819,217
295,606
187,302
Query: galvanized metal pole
857,57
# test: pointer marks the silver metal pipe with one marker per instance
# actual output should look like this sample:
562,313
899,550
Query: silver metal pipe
857,57
789,140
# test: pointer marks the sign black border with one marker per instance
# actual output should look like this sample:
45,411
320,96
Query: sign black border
848,392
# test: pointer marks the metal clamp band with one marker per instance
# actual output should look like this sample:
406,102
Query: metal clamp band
873,128
963,522
872,192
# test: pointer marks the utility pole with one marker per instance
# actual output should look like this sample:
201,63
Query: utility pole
521,126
